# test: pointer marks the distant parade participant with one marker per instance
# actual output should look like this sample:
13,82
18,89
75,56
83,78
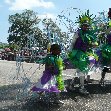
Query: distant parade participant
52,80
106,50
83,42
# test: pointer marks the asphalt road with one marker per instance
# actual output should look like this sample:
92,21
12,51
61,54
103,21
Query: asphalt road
99,98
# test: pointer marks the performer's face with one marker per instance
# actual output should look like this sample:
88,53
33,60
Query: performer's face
85,27
56,52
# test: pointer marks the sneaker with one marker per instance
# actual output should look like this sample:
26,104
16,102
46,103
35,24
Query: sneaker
87,81
101,81
83,91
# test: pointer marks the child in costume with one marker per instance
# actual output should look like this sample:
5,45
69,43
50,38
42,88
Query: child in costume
52,80
106,51
79,55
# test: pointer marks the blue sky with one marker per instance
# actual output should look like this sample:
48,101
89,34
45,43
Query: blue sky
49,8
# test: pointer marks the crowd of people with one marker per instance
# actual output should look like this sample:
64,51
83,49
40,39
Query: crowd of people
5,55
26,55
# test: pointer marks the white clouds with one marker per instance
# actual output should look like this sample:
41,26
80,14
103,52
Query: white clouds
28,4
8,1
47,15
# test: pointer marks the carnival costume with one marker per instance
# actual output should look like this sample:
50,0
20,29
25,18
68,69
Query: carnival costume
106,50
51,80
81,54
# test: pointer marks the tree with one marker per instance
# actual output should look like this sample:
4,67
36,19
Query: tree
22,24
54,33
3,45
51,29
40,37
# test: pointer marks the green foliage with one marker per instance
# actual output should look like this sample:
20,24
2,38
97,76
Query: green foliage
21,25
53,28
26,23
2,46
13,46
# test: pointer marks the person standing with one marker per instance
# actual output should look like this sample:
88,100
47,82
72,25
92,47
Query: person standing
84,39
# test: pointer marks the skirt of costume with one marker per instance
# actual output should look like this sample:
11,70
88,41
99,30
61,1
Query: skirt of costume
79,59
106,55
84,62
49,83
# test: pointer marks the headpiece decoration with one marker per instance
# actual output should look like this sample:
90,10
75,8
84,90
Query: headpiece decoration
109,13
109,16
85,19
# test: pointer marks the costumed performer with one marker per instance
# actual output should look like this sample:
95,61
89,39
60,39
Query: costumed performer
84,39
52,80
106,51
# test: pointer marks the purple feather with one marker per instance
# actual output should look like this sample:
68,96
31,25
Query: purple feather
46,77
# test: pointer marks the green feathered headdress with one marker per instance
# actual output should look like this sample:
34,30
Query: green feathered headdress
85,18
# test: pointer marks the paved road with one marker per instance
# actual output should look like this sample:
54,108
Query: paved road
98,100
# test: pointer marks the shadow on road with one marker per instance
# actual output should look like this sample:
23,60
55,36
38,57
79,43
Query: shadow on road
99,96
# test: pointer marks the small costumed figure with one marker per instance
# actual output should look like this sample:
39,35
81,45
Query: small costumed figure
52,80
84,39
106,51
